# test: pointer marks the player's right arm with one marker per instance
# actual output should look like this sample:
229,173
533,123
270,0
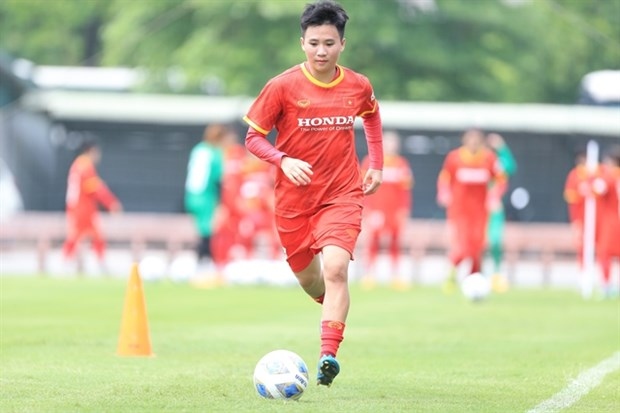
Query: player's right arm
261,118
573,196
296,170
94,186
444,180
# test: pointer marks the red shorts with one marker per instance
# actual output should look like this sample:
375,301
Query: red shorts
305,236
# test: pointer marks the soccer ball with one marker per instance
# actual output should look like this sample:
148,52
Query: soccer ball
475,287
152,268
281,374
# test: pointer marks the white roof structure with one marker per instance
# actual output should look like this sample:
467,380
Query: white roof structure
602,86
201,110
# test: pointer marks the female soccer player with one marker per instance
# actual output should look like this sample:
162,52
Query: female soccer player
319,188
470,184
85,192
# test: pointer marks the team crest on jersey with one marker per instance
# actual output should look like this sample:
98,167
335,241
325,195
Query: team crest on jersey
348,102
303,103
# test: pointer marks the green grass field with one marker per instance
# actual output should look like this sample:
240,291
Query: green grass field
417,351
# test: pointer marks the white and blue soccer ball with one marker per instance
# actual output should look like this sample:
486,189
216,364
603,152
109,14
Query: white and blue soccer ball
152,268
281,374
476,287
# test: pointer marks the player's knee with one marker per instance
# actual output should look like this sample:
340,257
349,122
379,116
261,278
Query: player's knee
335,272
308,279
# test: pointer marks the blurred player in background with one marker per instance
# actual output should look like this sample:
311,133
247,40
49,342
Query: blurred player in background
86,191
319,189
497,217
203,187
226,231
607,190
575,189
470,185
246,214
386,214
256,204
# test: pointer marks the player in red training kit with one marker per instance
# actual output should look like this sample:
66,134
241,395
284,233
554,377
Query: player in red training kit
463,188
256,203
575,188
319,189
386,213
225,235
607,190
85,192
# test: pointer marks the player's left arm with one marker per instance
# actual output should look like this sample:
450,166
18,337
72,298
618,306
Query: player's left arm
94,186
106,197
407,182
504,154
374,140
373,129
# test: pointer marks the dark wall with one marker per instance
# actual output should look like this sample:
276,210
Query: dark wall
145,165
543,161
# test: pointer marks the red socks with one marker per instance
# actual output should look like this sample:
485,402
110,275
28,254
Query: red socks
331,336
319,299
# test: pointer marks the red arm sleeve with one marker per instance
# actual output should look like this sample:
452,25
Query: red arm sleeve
407,186
93,185
258,144
444,193
374,139
105,196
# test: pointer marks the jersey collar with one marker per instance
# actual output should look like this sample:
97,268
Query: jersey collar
333,83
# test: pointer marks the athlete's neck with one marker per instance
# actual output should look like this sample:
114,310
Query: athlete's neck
324,77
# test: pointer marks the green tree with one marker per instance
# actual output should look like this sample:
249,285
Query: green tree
441,50
55,32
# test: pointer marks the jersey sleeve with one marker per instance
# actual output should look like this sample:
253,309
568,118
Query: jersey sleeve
500,180
369,103
373,130
444,179
406,183
266,109
93,185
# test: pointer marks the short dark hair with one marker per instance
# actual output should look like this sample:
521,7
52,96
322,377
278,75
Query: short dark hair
87,144
324,12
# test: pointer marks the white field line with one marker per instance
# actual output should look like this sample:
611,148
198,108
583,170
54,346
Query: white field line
579,387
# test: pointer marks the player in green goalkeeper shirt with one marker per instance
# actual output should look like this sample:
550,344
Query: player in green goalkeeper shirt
497,217
203,185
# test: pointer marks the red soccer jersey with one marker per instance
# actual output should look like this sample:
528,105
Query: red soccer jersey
395,190
85,190
467,176
315,122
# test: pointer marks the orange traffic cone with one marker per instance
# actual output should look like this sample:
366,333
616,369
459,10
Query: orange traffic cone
134,337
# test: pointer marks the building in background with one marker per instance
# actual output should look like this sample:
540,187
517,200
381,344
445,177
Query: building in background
147,139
